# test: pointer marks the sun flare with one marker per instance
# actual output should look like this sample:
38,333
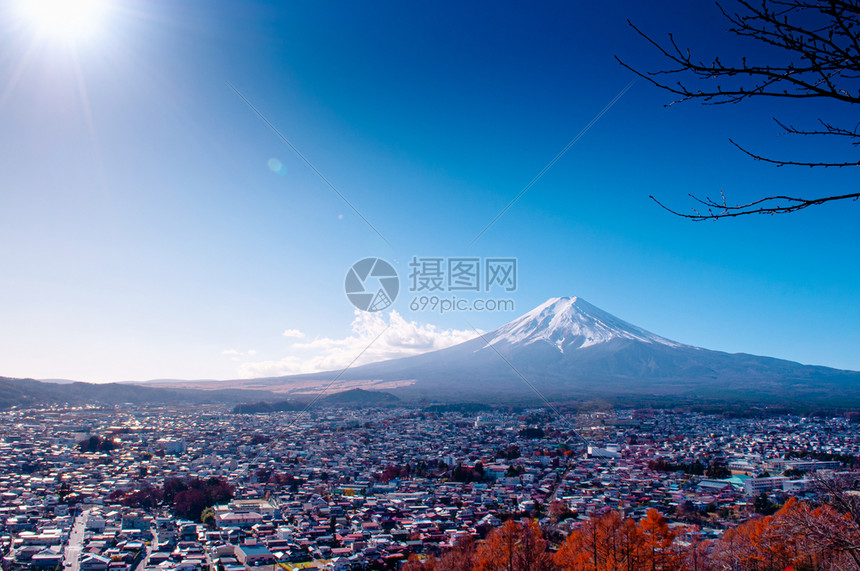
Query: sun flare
64,19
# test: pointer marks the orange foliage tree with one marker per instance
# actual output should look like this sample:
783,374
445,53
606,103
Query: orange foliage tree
460,558
514,547
610,543
800,536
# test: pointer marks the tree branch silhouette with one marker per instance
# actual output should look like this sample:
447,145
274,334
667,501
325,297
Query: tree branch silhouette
819,59
767,205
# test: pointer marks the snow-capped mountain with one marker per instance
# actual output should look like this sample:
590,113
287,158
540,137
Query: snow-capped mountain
570,323
567,348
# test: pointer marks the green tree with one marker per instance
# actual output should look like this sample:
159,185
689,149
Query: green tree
763,505
207,517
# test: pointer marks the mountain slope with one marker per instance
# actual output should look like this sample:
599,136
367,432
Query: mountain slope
568,348
570,323
563,349
29,392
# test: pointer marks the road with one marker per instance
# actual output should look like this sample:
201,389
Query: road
144,561
72,559
557,486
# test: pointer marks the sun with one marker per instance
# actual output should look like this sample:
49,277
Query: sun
64,19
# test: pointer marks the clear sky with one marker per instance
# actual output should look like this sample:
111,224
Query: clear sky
145,234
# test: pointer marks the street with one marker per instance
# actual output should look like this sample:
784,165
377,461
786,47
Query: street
72,559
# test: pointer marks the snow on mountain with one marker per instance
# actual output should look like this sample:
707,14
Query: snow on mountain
567,348
570,323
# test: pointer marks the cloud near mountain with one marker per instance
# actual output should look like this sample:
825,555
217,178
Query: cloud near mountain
565,348
375,337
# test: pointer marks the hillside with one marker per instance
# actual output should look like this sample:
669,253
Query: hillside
29,392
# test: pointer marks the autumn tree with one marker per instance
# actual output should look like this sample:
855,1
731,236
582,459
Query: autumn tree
604,543
657,540
460,558
696,557
801,50
578,552
558,511
612,543
514,547
415,564
187,498
798,536
831,529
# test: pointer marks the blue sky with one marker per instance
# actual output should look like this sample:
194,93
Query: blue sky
143,234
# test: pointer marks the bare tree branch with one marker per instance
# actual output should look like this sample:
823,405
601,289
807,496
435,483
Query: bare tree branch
766,205
817,56
829,129
781,163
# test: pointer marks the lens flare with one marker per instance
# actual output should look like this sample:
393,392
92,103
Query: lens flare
65,19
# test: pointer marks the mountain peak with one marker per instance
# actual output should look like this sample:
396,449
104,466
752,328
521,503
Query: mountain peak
570,323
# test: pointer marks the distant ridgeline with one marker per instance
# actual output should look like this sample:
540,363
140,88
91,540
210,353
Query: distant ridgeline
464,407
32,393
264,407
354,397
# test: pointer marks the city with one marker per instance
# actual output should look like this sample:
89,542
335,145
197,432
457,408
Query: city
429,286
205,489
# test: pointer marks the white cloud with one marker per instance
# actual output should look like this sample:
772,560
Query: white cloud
401,338
235,355
285,366
295,333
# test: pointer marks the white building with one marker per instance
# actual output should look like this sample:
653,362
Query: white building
755,486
